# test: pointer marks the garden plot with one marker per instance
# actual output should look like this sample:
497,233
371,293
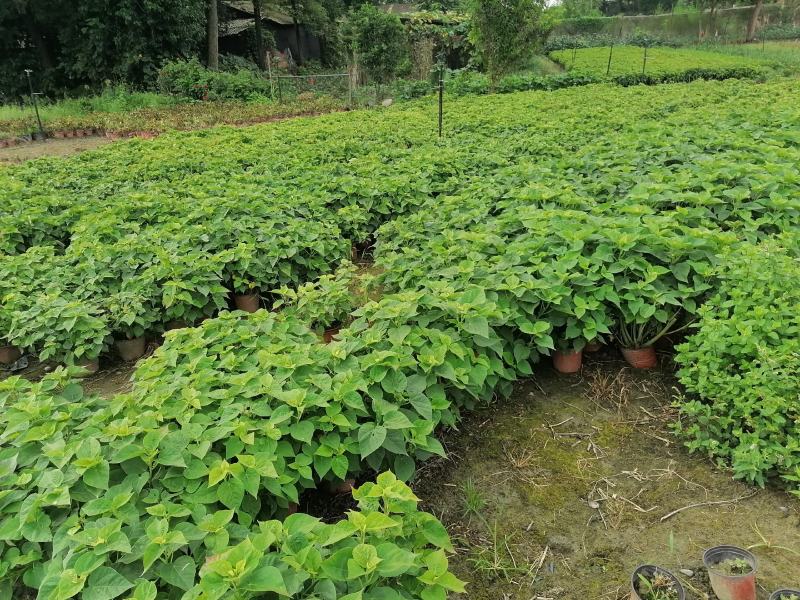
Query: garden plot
561,491
512,242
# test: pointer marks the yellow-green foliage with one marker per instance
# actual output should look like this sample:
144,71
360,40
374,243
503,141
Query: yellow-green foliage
626,60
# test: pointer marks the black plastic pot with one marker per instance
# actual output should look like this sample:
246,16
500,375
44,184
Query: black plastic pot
731,587
783,594
648,571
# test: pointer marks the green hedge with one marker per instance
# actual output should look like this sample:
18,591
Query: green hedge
190,79
740,367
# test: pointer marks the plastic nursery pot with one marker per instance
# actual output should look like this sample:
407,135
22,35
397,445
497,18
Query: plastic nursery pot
567,362
649,572
247,302
593,346
329,334
9,355
131,350
726,585
784,594
171,325
641,358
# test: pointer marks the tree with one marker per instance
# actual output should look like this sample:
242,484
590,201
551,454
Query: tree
260,54
379,40
753,22
213,35
506,31
71,45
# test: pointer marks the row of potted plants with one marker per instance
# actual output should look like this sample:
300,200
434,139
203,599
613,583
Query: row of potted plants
731,572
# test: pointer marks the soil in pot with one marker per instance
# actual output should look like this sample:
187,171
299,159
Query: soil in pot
131,350
641,358
732,572
9,355
785,594
248,302
650,582
567,362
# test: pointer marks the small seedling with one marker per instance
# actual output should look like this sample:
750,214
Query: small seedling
733,566
659,587
474,503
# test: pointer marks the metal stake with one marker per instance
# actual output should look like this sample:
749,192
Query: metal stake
644,62
610,53
35,105
441,97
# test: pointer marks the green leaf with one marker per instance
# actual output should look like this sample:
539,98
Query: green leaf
370,438
179,573
302,431
105,584
477,326
265,579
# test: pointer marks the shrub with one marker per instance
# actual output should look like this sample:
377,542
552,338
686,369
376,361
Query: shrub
379,39
190,79
740,366
60,327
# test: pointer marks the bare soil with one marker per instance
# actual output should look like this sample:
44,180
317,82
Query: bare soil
51,147
562,490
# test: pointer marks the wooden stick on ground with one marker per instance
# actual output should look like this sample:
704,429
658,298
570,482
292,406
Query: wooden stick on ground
712,503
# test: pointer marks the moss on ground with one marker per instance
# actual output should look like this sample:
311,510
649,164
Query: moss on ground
576,476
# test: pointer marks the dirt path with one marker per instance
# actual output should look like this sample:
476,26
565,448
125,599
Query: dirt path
53,147
561,492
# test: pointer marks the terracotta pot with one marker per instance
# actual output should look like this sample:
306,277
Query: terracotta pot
9,355
131,350
593,346
87,132
59,135
329,334
641,358
248,302
567,362
3,143
731,587
343,487
89,367
292,508
649,571
784,593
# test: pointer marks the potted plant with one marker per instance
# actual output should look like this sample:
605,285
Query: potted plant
650,582
785,594
732,572
325,304
249,300
62,328
130,315
568,357
241,266
191,287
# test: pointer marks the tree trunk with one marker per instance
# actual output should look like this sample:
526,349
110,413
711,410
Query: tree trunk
751,26
295,12
213,35
259,35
